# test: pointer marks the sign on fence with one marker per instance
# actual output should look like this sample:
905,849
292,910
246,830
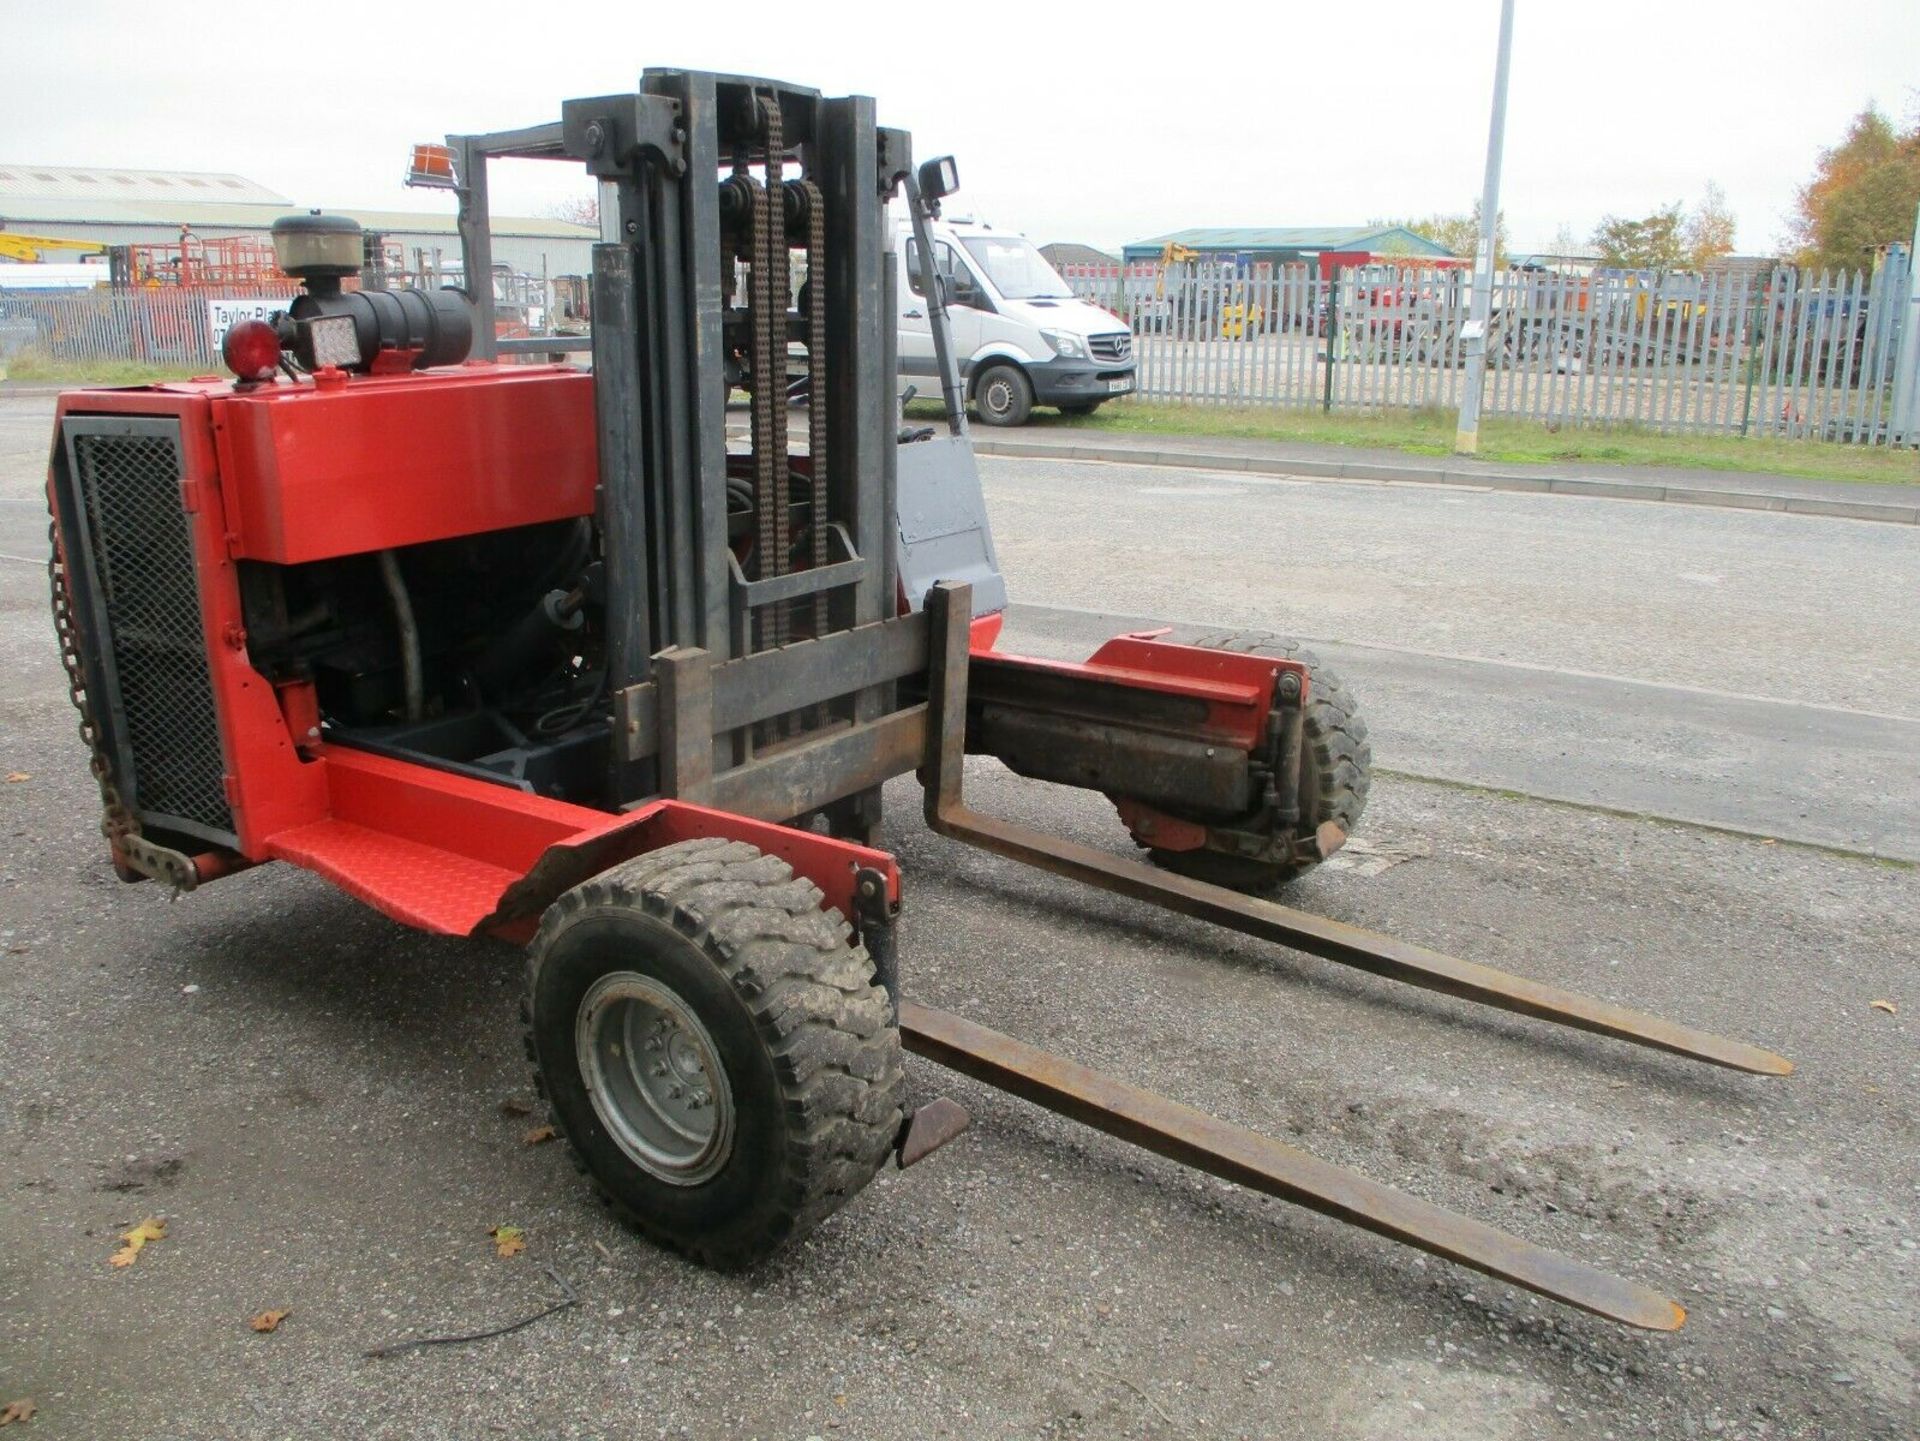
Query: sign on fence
223,315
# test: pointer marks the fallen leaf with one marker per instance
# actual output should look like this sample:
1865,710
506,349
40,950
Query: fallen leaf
151,1229
21,1411
538,1136
1888,1006
15,777
513,1106
270,1320
508,1240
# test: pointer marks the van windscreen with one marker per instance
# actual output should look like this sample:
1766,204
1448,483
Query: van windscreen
1016,267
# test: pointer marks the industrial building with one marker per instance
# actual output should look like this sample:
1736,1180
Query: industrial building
117,206
1290,244
1063,253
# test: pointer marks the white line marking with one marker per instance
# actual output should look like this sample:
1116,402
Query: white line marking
1699,690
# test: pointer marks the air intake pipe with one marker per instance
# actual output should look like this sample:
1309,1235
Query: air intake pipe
361,330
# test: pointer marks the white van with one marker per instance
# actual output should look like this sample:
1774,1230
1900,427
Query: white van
1019,335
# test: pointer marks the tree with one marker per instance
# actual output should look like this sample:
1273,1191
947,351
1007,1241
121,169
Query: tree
578,210
1656,242
1862,194
1460,234
1670,238
1710,229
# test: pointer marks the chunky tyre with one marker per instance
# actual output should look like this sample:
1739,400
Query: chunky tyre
1003,395
1336,762
712,1045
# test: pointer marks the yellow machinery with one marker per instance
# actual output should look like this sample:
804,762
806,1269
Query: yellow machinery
26,248
1240,318
1173,253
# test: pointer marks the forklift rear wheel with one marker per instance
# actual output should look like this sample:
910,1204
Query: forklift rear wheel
711,1043
1336,767
1003,395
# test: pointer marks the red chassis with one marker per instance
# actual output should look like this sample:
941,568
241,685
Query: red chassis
289,474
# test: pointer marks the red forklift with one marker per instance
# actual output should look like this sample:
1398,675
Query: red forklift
529,652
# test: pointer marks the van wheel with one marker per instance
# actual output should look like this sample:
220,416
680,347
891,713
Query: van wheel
1003,395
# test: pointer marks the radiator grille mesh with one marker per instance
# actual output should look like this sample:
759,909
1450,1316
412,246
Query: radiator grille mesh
142,557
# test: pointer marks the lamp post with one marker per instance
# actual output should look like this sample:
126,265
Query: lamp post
1905,429
1466,435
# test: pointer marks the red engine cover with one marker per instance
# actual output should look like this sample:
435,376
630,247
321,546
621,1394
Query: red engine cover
323,470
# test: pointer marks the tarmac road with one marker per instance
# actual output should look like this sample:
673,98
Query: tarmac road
312,1096
1759,672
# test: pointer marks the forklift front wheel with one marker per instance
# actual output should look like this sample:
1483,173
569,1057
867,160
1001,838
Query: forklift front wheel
713,1047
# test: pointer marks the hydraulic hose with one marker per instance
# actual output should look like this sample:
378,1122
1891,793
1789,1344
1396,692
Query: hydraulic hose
415,684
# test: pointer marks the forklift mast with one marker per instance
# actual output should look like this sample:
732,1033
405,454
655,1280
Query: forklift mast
705,185
709,185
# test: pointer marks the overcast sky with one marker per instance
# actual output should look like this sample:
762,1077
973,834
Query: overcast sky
1098,122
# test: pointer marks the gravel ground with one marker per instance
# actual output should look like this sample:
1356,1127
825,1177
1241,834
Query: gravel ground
312,1097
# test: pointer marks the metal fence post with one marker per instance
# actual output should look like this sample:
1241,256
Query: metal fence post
1332,328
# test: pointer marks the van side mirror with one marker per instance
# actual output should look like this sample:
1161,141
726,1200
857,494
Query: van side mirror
960,289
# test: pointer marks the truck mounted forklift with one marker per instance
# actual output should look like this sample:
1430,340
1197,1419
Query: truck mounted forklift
532,652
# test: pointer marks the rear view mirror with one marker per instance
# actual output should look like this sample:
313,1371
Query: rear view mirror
959,289
939,176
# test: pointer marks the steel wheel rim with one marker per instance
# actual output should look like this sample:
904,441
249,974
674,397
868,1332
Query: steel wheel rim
654,1077
999,397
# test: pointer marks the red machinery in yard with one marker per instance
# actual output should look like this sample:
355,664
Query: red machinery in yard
527,652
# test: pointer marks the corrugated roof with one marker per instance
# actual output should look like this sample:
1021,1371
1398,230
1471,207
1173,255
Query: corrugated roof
1291,237
86,182
1072,252
26,212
